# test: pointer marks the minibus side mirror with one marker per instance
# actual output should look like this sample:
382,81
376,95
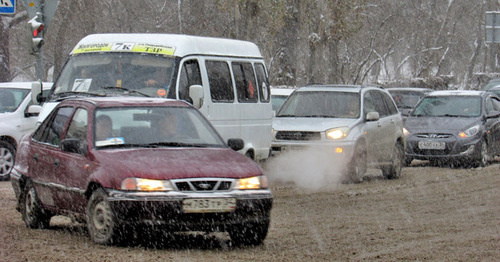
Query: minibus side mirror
196,95
236,143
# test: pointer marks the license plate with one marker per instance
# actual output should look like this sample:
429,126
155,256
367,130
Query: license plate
208,205
291,148
431,145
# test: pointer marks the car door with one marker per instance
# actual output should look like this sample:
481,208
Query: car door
385,130
492,125
371,128
28,123
45,151
72,168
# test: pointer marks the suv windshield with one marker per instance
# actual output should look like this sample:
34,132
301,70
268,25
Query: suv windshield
321,104
449,106
98,73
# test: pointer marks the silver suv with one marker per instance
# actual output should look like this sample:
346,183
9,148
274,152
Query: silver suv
359,126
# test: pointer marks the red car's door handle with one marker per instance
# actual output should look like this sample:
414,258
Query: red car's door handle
56,162
35,157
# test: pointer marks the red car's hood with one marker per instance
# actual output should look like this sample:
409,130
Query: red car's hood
173,163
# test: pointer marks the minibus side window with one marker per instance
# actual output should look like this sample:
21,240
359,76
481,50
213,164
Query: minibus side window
219,78
244,78
263,82
190,75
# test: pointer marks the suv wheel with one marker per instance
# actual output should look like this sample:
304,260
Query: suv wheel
356,168
398,158
7,155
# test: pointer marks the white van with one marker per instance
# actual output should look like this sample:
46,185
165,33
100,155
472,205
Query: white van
225,79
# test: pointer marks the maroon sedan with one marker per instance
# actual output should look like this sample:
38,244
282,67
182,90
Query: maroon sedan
124,163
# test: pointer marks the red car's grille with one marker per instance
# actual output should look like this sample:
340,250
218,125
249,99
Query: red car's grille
203,185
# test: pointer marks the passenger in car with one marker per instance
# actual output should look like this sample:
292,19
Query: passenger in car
353,108
103,128
167,127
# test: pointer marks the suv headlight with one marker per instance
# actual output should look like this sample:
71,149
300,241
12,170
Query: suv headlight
142,184
406,132
469,132
256,182
337,133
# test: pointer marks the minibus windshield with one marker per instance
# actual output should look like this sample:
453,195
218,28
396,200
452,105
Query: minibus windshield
111,72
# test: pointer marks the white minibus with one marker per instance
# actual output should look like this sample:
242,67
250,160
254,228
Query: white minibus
225,79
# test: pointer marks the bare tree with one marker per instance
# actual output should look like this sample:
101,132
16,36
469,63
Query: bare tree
339,41
7,23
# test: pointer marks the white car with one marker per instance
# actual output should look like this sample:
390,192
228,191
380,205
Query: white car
278,97
17,118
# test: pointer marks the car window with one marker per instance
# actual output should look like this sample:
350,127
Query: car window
321,104
369,105
455,106
10,98
190,75
78,125
378,103
392,109
51,130
147,125
277,101
405,99
492,104
244,79
219,78
91,72
263,82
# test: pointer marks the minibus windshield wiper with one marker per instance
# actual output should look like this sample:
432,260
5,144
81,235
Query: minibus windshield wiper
124,90
73,93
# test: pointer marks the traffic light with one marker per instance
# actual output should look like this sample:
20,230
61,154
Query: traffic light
36,26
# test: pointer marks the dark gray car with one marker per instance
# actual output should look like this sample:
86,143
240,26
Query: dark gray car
454,127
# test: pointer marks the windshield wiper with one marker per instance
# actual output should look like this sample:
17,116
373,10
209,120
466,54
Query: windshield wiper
449,115
172,144
124,90
323,116
121,146
73,93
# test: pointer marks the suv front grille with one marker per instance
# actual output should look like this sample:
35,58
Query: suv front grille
203,185
297,135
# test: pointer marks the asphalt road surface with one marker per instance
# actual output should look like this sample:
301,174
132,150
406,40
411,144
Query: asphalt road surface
430,213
